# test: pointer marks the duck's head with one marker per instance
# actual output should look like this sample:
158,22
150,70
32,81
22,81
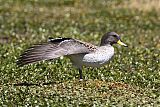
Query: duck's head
111,38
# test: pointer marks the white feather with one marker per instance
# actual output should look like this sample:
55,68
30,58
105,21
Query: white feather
94,59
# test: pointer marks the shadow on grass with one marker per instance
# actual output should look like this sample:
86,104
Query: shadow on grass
33,84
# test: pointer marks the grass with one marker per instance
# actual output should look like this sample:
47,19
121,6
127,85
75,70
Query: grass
132,78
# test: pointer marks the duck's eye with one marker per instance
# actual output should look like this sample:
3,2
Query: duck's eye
115,36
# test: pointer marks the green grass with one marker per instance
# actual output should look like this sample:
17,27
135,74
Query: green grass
132,78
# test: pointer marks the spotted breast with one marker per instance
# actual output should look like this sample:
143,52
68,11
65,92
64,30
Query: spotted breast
97,58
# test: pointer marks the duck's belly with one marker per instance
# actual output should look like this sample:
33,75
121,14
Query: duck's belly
95,59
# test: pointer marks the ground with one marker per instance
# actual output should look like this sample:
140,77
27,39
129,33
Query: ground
132,78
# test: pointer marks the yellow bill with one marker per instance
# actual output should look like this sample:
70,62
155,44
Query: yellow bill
121,43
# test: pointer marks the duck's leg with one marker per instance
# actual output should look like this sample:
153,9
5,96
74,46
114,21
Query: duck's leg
80,73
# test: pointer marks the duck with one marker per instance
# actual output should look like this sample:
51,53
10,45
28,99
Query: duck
80,53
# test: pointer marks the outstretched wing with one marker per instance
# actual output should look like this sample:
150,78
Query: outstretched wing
54,49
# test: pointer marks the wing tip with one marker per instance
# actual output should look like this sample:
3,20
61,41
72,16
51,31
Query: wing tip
19,63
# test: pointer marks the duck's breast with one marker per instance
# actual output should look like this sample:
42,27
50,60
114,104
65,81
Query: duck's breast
98,58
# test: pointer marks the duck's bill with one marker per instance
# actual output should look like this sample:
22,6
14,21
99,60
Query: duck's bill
121,43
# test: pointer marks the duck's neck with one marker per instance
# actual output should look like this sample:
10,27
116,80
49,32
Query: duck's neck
108,44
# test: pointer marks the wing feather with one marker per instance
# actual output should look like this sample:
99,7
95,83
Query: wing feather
53,50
